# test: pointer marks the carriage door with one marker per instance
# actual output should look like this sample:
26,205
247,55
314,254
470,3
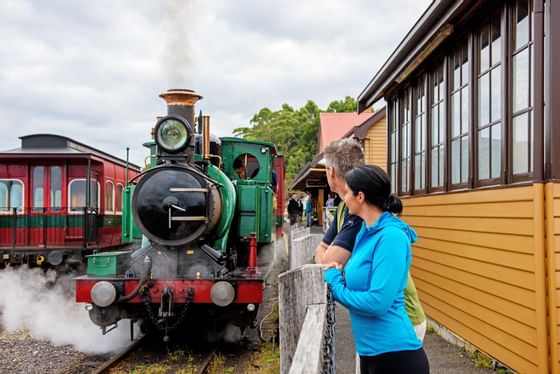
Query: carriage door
47,224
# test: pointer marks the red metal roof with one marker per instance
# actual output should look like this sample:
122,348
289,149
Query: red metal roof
333,126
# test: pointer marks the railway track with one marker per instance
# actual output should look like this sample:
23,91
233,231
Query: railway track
129,358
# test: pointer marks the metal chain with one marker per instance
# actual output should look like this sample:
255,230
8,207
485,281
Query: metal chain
329,347
158,322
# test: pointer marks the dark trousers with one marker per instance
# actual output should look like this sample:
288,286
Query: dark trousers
401,362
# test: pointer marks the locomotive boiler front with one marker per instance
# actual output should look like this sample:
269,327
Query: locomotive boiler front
174,205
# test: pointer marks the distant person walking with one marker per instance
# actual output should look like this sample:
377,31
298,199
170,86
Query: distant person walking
374,279
293,210
308,211
330,202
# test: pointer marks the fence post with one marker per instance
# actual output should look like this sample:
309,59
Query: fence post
297,289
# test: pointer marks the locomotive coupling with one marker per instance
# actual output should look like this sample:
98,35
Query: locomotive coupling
40,260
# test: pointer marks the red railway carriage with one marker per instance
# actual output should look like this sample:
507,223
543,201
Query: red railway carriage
59,198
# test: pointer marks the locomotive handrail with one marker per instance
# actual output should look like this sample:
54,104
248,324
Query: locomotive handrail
143,279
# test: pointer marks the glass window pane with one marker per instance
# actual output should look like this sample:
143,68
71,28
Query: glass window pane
496,40
38,173
484,49
119,198
77,195
496,93
441,163
435,167
418,135
16,195
393,178
496,151
94,194
441,122
456,161
4,201
56,188
404,175
520,144
464,159
109,197
465,67
484,100
521,23
435,125
457,71
465,110
484,153
456,114
521,80
417,172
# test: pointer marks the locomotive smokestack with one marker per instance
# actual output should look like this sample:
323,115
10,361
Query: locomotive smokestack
181,102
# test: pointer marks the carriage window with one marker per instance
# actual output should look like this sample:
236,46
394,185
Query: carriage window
437,127
460,121
522,98
246,166
489,99
11,196
405,141
56,188
38,188
77,195
119,198
420,131
109,206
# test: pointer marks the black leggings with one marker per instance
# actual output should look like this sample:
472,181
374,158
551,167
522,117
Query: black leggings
402,362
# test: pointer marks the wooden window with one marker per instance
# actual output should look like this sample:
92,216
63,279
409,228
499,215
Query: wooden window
38,187
56,188
437,128
109,197
405,117
420,132
489,105
77,195
460,119
119,198
521,94
393,143
11,196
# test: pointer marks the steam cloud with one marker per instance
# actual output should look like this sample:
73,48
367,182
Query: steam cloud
26,302
177,20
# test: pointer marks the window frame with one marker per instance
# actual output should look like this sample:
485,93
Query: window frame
423,76
439,64
499,14
402,122
70,209
18,211
117,211
112,210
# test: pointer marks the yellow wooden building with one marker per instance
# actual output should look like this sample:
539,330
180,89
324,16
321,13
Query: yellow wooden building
473,95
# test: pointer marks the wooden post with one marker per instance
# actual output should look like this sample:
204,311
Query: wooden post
297,289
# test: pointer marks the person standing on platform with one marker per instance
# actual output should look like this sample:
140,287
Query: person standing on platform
308,211
293,209
372,284
341,156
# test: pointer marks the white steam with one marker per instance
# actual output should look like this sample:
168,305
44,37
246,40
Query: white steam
177,20
27,302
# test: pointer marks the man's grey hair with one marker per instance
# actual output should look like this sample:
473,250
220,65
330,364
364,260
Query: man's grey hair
343,155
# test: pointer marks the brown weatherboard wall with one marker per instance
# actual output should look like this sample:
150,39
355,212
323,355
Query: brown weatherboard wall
479,265
375,144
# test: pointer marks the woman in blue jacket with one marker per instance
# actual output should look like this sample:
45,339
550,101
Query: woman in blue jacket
374,278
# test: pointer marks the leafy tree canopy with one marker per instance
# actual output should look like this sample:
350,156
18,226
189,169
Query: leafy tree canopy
293,131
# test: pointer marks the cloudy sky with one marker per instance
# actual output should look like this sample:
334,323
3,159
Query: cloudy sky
92,70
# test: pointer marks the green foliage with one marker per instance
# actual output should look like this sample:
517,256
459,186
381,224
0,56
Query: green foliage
294,132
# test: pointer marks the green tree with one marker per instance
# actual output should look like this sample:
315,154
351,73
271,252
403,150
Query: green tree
294,132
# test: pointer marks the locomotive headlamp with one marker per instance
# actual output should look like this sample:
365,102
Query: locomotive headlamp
103,294
172,135
222,293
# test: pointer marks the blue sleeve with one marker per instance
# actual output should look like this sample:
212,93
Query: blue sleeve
389,270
